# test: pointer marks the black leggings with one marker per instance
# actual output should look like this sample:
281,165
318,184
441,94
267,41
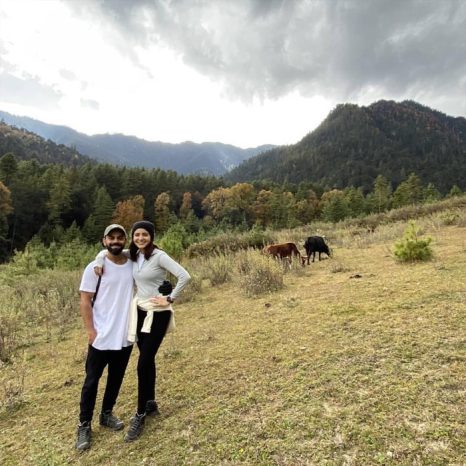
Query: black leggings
148,344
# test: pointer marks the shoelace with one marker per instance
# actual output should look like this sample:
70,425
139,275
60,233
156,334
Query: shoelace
83,433
135,424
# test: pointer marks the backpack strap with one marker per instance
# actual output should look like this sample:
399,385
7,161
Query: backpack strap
96,290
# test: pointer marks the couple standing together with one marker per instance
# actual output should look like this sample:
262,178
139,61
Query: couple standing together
114,319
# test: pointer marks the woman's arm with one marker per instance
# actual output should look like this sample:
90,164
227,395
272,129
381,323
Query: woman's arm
99,267
178,271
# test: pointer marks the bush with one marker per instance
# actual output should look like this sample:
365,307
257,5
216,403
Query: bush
258,274
411,247
218,269
230,242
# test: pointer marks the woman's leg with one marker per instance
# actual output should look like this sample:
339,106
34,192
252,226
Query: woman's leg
149,344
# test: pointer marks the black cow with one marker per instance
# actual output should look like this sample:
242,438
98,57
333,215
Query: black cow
315,244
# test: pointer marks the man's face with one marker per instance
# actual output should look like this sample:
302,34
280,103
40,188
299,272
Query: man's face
115,242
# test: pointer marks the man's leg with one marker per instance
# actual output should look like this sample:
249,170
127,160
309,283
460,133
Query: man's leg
95,365
117,363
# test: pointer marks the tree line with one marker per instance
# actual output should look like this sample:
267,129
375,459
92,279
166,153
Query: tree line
51,202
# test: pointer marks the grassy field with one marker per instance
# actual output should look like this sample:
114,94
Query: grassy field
359,360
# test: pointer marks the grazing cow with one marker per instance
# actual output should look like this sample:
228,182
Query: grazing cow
315,244
280,251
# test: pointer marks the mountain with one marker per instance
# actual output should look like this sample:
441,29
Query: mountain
355,144
208,158
26,145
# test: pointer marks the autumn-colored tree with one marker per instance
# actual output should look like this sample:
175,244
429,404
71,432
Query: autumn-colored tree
186,205
162,212
5,200
262,207
215,203
239,203
129,211
187,215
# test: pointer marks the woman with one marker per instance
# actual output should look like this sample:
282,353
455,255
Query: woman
152,314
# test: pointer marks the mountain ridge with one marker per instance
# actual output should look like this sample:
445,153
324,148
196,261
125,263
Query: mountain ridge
207,158
355,143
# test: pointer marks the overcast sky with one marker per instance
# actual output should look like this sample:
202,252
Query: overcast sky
242,72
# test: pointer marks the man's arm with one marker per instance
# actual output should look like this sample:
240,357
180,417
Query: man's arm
85,306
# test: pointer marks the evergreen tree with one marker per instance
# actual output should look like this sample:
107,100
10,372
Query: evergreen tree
455,191
8,168
100,217
334,206
431,193
408,192
380,198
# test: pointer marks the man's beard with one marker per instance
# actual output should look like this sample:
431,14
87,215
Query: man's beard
114,249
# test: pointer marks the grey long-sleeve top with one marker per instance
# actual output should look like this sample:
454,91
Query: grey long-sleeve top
152,272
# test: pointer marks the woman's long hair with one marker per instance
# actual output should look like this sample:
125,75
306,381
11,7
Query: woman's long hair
133,251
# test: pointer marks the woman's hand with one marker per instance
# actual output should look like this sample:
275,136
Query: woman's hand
160,300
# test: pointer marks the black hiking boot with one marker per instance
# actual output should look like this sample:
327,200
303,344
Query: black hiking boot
83,437
152,409
136,426
107,419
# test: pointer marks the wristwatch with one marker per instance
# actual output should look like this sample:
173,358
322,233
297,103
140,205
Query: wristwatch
170,299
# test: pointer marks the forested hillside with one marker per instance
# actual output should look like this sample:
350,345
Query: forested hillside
208,158
29,146
356,144
53,195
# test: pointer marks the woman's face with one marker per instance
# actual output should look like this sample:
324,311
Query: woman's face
141,238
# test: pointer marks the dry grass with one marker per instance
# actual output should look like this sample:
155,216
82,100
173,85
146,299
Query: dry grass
362,363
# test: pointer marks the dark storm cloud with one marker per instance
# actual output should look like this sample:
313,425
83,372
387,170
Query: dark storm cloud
342,49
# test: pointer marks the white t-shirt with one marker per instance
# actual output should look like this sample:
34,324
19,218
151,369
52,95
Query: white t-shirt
111,307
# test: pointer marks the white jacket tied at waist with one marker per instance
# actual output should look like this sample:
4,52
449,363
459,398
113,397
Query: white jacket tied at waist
150,307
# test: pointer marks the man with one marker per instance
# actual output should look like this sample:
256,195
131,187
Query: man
104,306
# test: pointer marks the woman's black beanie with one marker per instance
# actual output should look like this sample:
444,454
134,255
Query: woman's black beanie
146,225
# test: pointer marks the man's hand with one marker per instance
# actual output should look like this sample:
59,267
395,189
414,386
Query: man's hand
98,270
91,336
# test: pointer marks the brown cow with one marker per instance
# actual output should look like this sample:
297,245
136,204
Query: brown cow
280,251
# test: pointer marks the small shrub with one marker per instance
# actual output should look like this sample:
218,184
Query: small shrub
217,269
411,247
258,274
12,387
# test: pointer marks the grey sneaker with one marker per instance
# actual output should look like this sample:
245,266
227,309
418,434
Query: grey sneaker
107,419
136,426
152,409
83,438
